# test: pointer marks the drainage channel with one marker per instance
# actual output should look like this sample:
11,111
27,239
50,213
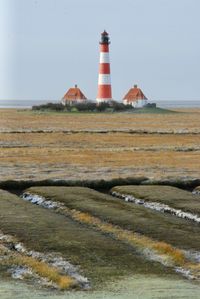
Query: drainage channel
103,186
156,206
147,246
49,270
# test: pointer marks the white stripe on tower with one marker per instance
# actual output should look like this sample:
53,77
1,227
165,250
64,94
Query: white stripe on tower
104,82
104,57
104,79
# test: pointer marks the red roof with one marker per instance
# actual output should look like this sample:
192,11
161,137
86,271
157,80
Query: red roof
74,94
134,94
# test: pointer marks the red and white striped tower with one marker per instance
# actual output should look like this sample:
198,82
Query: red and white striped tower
104,82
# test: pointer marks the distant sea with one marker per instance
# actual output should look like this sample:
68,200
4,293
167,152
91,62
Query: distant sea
22,104
178,104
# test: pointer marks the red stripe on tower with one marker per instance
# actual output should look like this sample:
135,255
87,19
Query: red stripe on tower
104,82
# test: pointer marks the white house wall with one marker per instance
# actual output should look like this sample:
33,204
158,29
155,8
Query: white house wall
136,104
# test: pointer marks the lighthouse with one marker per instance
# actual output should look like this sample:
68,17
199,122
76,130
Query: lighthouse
104,83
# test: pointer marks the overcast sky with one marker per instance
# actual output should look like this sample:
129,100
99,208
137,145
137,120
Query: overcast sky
48,46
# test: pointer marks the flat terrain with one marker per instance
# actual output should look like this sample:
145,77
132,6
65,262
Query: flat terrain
98,146
174,197
137,287
100,257
110,240
159,226
13,119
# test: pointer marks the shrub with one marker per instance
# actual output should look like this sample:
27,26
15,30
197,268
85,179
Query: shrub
50,106
88,106
102,106
117,106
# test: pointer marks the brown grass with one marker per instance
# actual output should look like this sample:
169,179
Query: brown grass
176,254
121,141
134,239
43,270
179,161
172,255
70,155
13,119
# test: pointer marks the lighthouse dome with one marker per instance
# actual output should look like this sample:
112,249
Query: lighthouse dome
105,38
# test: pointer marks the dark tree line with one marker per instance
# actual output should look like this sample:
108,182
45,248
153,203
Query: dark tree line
113,106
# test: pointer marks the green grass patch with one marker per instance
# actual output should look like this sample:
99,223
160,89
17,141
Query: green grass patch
172,196
100,257
151,110
161,227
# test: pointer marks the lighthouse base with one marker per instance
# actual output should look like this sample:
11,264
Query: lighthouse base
104,100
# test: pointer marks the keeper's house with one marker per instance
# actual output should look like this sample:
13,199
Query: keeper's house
74,96
135,97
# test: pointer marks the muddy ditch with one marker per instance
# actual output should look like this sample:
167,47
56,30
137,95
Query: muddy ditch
17,186
106,131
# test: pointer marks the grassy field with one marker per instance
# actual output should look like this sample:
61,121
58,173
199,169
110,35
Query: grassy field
105,236
155,110
100,257
171,196
13,119
159,226
165,145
